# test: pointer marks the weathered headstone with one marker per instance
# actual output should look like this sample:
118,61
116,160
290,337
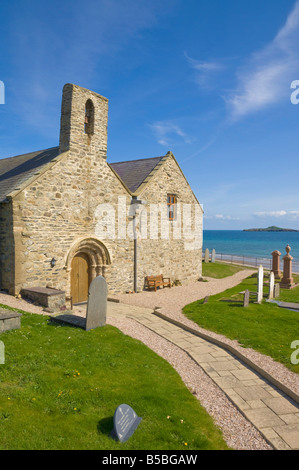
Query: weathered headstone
276,291
276,264
246,298
213,257
205,300
125,422
97,303
207,255
96,308
271,285
287,281
260,283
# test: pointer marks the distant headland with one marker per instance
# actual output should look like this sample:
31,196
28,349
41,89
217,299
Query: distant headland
273,228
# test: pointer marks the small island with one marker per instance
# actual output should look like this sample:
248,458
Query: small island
273,228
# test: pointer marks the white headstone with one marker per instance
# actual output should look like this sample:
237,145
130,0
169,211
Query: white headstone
97,303
207,255
271,285
213,258
260,283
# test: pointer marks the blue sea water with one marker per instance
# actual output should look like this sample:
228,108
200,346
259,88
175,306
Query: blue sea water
255,244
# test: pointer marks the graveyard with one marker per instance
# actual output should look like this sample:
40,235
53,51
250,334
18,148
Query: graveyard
68,390
62,392
261,325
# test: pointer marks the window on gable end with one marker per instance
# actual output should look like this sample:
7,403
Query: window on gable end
171,206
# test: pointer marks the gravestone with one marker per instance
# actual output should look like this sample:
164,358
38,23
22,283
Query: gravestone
246,298
271,285
206,299
276,264
213,257
207,255
97,303
125,422
96,308
287,281
260,283
276,291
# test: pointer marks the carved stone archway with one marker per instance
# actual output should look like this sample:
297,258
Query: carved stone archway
98,258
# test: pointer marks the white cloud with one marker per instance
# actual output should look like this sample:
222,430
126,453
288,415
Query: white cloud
265,79
203,70
281,213
167,132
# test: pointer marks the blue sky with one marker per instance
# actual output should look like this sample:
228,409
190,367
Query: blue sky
209,80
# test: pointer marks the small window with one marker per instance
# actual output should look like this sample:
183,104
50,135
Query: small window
89,118
171,206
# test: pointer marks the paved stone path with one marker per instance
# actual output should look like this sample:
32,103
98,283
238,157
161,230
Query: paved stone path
271,411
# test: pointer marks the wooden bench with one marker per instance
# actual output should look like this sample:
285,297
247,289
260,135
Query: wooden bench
152,282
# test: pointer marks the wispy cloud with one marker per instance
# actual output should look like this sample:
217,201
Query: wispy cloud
204,70
278,214
265,78
168,133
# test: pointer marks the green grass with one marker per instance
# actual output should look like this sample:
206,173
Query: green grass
60,387
220,270
265,328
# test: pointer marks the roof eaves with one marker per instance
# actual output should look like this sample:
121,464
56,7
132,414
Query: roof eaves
34,177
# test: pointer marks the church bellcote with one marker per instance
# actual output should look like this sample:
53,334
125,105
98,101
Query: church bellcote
84,119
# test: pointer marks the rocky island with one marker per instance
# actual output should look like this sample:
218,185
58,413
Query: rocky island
273,228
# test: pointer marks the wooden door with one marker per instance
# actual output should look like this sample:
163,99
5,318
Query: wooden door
80,278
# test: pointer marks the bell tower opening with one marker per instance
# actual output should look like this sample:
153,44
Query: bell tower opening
89,118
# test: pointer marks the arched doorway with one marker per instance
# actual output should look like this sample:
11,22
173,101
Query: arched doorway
86,259
80,278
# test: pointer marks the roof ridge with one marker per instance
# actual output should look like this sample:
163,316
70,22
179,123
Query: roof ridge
138,159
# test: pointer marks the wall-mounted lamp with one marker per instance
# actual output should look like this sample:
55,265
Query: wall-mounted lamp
53,262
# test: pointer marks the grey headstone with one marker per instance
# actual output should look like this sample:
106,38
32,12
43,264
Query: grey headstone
276,290
271,285
206,299
97,303
207,255
246,298
213,258
260,284
125,422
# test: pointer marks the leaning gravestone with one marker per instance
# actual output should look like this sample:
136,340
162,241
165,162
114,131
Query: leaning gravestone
96,308
213,256
125,423
207,255
97,303
260,283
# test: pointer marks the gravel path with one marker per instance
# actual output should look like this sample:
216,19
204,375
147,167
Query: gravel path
237,431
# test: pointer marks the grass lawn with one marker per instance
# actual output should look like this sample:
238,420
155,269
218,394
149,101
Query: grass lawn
60,387
265,328
220,270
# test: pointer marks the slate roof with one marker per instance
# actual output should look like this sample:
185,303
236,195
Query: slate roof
134,172
15,171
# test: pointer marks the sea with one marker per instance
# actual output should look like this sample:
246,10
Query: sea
251,247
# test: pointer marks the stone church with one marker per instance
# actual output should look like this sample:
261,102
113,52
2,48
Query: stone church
67,215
